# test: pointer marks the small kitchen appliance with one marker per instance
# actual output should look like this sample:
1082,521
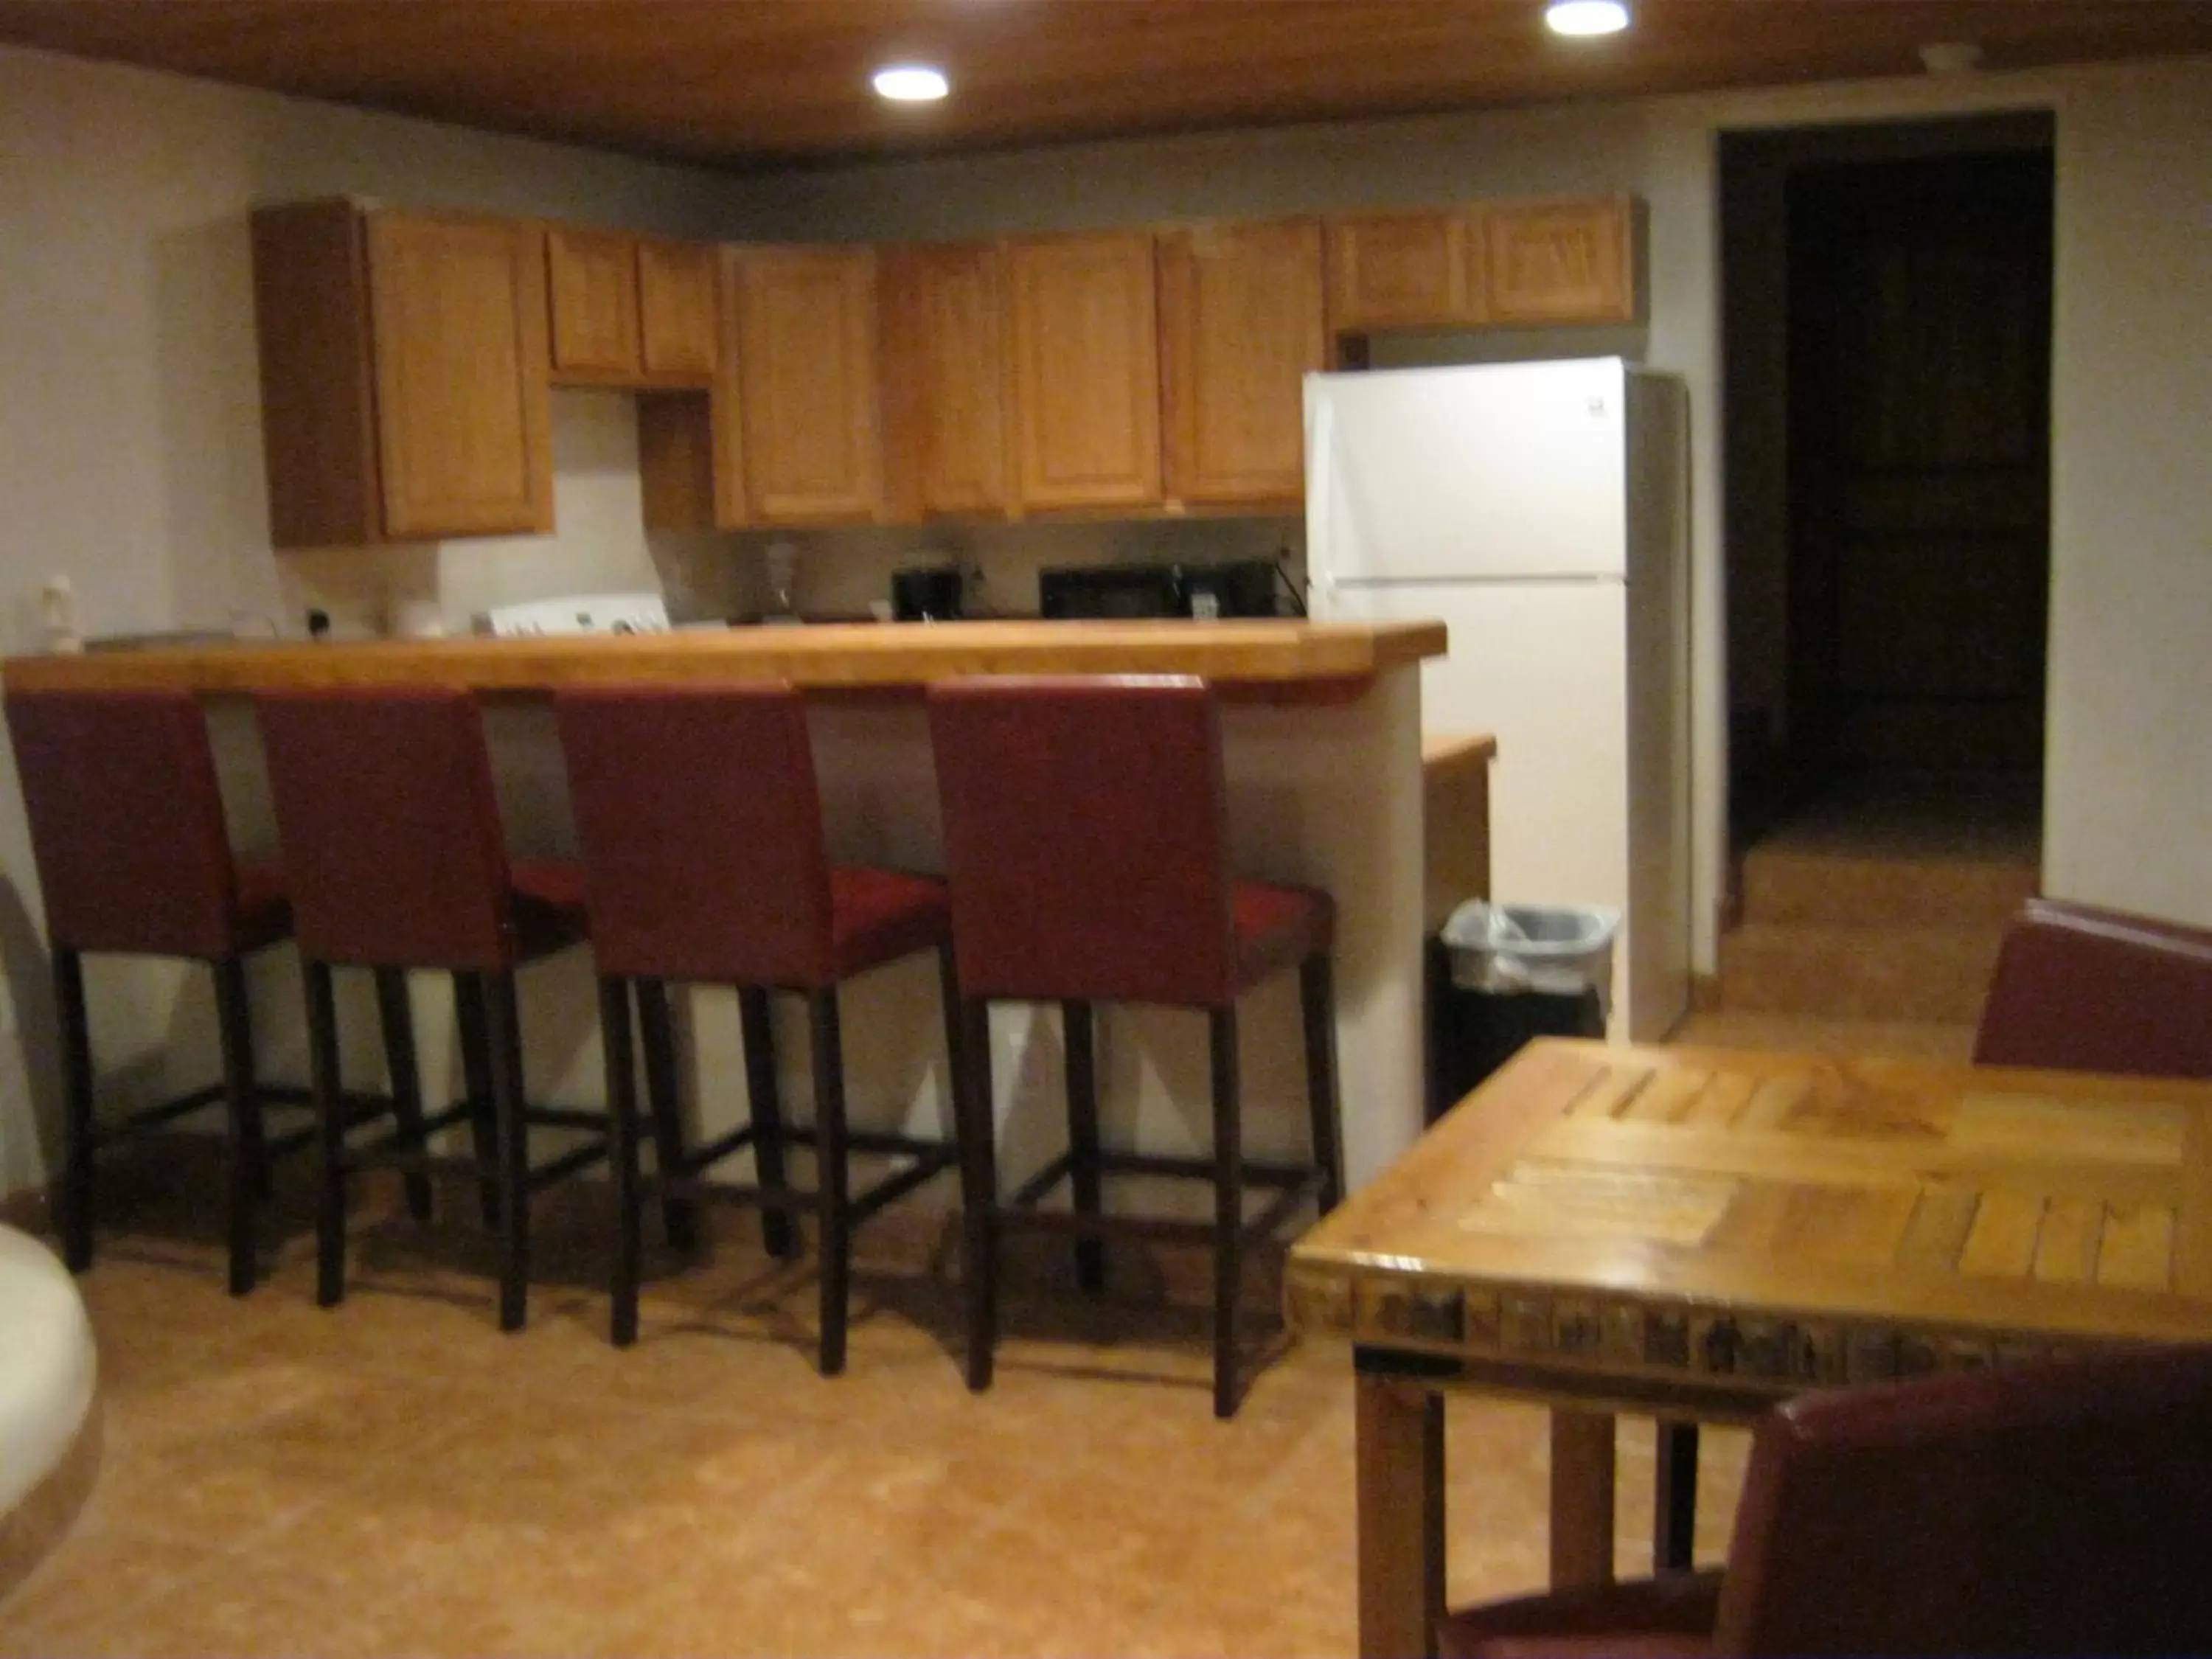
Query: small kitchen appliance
927,593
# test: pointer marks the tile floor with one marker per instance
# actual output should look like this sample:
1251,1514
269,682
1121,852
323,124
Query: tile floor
396,1477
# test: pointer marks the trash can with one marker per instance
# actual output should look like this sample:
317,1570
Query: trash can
1501,974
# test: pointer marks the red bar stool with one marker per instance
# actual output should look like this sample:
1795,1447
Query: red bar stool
1085,837
392,842
700,824
133,858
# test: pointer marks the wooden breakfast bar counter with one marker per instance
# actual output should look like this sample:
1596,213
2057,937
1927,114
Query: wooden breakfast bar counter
1322,732
1252,660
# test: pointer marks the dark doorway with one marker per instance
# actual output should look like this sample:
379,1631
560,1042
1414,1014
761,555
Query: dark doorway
1887,309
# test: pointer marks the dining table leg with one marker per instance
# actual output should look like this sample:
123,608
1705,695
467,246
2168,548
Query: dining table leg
1674,1499
1401,1441
1581,1498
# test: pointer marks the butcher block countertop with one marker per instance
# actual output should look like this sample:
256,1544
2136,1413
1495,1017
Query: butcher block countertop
1457,754
1261,655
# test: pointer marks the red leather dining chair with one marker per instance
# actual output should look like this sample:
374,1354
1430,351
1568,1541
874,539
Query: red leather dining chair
1086,843
701,823
2079,988
397,859
133,858
2058,1509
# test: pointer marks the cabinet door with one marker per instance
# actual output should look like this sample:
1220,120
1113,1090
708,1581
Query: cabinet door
1557,261
1399,270
676,308
458,324
1241,327
1086,370
807,369
594,277
945,379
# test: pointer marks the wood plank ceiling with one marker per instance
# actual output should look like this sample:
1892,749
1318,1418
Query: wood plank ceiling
758,83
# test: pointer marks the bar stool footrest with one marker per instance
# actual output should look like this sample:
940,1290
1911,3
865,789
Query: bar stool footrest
1294,1178
931,1159
360,1107
579,1158
1106,1226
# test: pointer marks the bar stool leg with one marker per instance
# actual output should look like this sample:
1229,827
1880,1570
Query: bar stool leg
1228,1206
1318,997
476,1073
330,1136
1079,1037
77,1129
830,1174
622,1153
979,1185
397,1016
255,1141
504,1047
765,1105
241,1118
680,1216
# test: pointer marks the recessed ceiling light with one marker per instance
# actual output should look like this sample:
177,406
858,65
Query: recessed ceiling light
911,83
1587,16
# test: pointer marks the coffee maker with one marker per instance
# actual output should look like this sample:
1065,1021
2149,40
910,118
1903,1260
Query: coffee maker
927,593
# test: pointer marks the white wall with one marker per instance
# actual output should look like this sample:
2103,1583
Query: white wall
129,423
2130,780
2130,801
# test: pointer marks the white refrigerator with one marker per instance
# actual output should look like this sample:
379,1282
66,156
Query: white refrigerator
1539,511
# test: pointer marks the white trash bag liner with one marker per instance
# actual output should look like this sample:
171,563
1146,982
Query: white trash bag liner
1561,950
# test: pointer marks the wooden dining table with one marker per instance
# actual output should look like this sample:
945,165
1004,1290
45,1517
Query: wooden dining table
1695,1234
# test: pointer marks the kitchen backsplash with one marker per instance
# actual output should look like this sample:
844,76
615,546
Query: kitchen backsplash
599,545
843,572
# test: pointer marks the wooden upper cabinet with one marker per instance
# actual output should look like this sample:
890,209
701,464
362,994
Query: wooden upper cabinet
1399,270
591,276
1242,325
458,322
629,310
806,387
677,308
1086,370
403,375
943,312
1556,261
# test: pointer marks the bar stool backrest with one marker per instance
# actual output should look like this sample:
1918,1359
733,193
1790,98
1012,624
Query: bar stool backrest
1085,838
701,823
391,828
126,821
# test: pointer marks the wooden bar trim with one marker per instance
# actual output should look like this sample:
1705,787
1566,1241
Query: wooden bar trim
1263,655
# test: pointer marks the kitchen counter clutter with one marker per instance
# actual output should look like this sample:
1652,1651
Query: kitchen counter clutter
1325,781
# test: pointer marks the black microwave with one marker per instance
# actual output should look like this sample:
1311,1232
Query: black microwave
1237,587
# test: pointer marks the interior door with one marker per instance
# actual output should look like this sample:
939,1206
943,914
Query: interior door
1920,371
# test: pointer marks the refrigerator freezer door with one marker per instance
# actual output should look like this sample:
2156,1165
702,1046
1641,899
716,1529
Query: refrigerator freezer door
1542,666
1514,470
